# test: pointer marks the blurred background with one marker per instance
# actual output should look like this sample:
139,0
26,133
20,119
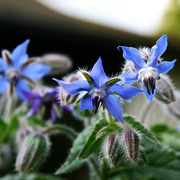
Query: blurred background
85,30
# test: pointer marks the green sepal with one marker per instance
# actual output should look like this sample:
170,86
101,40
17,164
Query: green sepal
86,75
113,81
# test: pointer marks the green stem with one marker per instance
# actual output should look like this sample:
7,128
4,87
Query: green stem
95,168
144,112
9,107
59,128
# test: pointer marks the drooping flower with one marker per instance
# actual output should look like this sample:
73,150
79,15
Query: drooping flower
147,65
100,91
44,97
16,70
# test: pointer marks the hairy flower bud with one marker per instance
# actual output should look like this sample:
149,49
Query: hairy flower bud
130,141
164,90
32,153
64,97
111,149
60,63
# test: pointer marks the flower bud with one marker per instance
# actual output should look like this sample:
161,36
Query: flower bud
65,98
59,63
130,141
111,149
164,90
32,153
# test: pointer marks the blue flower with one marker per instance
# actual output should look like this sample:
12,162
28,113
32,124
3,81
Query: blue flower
147,67
16,70
100,90
44,97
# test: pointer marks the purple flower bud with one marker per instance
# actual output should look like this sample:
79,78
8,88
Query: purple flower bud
111,149
165,90
130,141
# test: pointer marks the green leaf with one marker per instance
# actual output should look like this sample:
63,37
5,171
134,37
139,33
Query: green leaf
92,144
72,162
168,136
162,164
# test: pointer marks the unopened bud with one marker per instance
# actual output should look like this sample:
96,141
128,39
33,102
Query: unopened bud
130,141
165,90
32,153
65,98
111,149
60,63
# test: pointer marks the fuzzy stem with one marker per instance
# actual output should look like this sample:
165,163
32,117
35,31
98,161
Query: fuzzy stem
60,128
96,168
9,105
144,112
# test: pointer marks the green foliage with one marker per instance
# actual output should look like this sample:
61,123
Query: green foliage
72,162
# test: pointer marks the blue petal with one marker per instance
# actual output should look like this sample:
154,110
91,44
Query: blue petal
128,77
151,96
53,114
29,95
86,102
35,71
18,55
3,65
165,66
4,84
157,50
132,54
125,92
98,75
22,85
35,107
74,87
113,105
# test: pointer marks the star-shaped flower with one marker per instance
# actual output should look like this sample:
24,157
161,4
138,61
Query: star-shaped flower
16,69
147,67
100,90
44,97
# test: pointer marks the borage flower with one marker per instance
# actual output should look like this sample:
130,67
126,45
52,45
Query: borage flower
44,97
16,70
100,91
148,66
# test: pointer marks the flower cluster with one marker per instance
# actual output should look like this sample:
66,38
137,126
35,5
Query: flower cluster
148,66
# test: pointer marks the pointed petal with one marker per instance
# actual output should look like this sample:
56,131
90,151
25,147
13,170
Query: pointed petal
22,85
165,66
74,87
86,102
98,75
157,50
53,114
128,77
18,55
35,71
113,105
3,65
151,96
132,54
4,84
29,95
126,92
